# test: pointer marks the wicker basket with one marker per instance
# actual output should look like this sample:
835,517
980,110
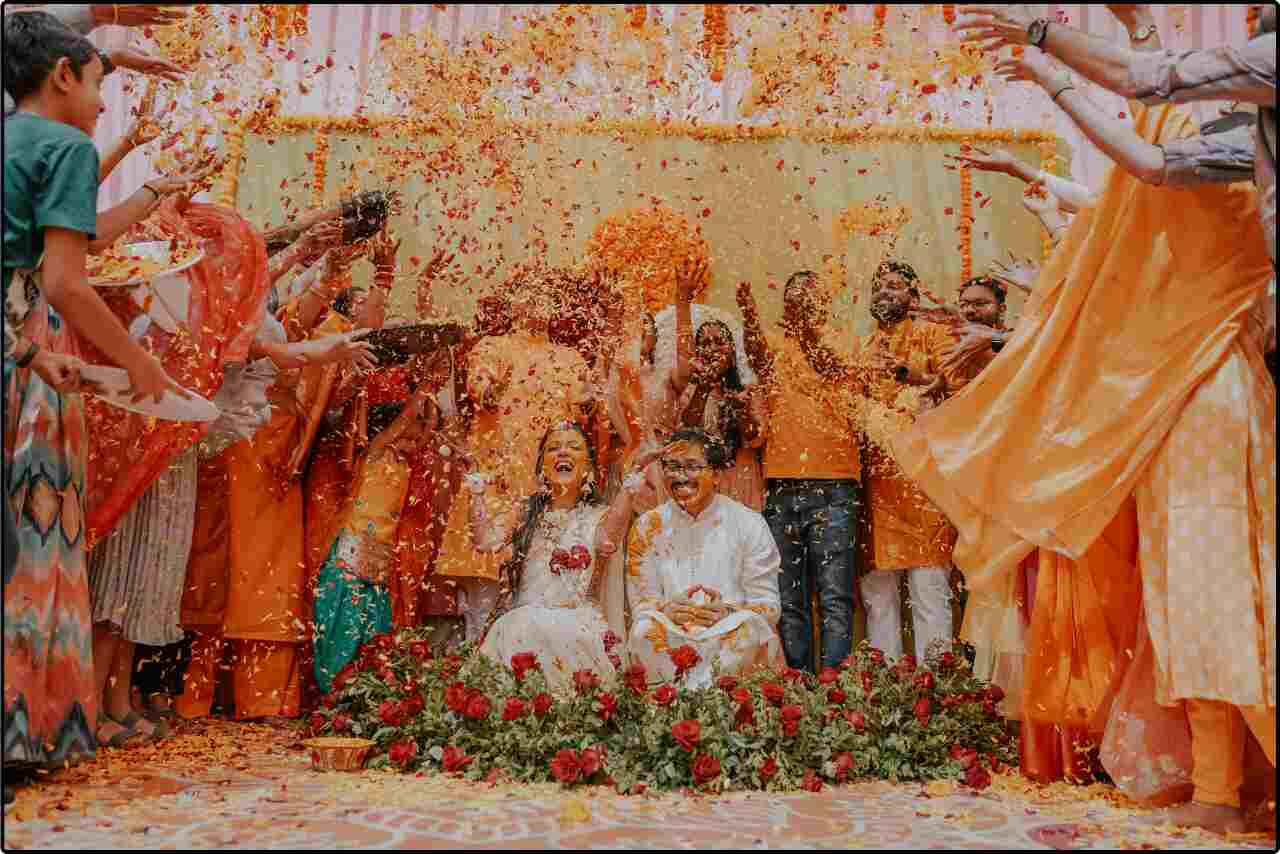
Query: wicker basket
338,754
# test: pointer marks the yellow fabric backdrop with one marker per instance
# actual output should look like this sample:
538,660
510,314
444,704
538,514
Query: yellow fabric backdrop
766,217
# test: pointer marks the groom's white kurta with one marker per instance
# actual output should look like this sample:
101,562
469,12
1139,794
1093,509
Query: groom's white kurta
727,548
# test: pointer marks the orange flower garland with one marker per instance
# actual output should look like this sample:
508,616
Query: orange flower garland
639,14
715,28
320,166
231,169
966,222
949,13
881,12
641,249
1251,19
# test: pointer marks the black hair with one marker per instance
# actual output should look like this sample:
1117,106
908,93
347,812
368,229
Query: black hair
717,454
273,301
903,269
278,243
536,505
730,412
33,44
342,302
992,284
797,277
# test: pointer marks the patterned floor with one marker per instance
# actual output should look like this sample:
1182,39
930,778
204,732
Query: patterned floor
225,785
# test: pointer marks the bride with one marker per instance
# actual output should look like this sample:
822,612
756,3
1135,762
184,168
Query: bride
565,573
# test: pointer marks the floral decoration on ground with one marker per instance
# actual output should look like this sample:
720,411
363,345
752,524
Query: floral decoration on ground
773,730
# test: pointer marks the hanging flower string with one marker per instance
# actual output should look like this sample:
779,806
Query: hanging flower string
880,13
949,13
639,14
320,166
966,221
714,38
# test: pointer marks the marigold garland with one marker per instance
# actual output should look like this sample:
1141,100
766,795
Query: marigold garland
320,168
639,15
1251,19
966,223
880,13
231,169
715,29
949,13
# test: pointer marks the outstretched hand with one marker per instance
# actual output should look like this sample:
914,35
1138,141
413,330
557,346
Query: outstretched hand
992,27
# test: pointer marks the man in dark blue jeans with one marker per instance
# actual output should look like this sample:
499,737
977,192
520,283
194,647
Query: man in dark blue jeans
812,469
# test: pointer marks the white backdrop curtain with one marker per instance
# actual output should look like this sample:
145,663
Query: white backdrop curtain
350,35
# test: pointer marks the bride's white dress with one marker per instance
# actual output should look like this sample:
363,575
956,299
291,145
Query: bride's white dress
551,616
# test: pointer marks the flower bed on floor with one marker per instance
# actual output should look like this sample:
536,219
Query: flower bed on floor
773,730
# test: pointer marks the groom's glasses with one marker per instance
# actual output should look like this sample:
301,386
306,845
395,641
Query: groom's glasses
683,468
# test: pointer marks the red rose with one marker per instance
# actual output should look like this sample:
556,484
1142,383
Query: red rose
384,641
477,706
636,678
792,675
317,723
522,663
844,765
828,675
341,723
402,752
565,767
579,557
390,713
745,715
685,658
455,759
990,708
686,734
412,706
585,681
995,693
741,696
420,650
542,704
610,640
769,769
451,665
608,706
951,701
946,661
791,717
665,694
836,696
559,560
977,777
590,762
907,665
705,768
773,692
867,682
922,710
857,720
513,710
455,697
875,656
995,764
964,755
812,782
388,678
726,683
924,680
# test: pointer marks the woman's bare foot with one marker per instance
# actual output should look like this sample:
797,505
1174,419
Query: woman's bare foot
1211,817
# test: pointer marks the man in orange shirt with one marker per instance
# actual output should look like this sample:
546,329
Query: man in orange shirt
812,469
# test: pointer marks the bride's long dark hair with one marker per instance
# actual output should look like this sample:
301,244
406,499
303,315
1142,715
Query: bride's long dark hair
535,508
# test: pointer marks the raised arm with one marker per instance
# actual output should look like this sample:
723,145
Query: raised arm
490,532
1115,139
1072,196
688,277
753,336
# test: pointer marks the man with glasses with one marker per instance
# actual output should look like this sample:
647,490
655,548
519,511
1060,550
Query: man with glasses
703,573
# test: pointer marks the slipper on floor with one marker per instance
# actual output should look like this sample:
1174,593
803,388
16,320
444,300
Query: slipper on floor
120,739
131,721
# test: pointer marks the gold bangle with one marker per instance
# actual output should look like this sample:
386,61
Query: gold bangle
1054,99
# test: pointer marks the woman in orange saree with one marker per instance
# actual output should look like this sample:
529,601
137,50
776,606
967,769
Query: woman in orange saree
1124,363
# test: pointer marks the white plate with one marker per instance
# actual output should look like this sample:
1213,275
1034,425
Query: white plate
138,280
113,388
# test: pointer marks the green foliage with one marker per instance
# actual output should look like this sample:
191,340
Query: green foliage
772,730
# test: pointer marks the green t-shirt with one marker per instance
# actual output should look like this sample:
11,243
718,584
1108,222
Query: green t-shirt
50,179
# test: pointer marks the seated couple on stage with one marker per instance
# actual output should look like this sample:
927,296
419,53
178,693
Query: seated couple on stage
564,576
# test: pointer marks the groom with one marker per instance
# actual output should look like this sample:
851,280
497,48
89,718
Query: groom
703,572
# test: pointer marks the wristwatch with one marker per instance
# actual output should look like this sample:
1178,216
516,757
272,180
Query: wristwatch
1143,33
1037,31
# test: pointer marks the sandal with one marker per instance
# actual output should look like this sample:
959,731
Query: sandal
120,739
133,719
163,711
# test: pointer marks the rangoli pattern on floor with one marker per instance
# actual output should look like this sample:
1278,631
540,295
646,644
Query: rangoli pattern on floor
225,785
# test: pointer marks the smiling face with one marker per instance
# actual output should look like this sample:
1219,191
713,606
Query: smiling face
978,304
84,93
566,461
713,346
690,479
891,296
